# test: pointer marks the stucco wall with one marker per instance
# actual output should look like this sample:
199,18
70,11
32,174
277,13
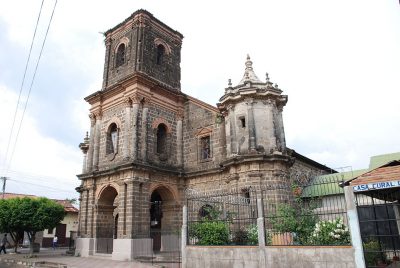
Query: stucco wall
277,257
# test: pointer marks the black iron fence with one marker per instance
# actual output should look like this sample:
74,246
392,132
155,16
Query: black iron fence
313,213
310,214
223,219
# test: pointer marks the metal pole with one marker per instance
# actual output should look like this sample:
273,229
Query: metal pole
4,185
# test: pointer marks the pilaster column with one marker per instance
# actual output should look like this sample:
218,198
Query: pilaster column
121,232
251,126
270,105
281,130
81,206
232,129
179,138
129,202
91,192
126,131
89,164
96,149
135,113
144,133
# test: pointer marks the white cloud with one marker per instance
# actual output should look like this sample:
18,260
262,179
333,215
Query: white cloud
40,160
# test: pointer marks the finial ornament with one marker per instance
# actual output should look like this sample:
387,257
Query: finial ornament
276,85
267,77
229,82
249,75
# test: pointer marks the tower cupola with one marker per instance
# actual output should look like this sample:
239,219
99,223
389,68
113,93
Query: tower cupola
253,115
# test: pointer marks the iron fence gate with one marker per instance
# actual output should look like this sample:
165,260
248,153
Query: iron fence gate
378,213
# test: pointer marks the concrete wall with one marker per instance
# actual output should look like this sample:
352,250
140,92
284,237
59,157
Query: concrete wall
277,257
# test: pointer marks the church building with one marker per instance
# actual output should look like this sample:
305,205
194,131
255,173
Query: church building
150,143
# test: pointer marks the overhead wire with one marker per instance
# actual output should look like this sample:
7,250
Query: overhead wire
30,88
43,186
22,85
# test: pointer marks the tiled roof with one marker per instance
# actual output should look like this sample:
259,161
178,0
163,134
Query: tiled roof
12,195
388,172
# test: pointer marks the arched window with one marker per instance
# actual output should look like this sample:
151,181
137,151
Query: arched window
112,139
120,59
160,54
161,138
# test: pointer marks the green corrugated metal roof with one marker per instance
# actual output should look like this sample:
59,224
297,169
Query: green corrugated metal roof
329,184
379,160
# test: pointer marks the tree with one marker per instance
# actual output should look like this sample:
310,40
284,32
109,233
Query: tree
30,215
16,234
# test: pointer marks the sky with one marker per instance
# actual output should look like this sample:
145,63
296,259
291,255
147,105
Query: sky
338,62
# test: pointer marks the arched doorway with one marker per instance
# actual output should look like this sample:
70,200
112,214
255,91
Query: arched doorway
164,219
107,220
156,215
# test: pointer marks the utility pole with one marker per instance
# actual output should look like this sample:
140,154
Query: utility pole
4,185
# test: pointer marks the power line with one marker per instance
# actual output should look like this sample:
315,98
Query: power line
43,186
22,85
33,176
30,88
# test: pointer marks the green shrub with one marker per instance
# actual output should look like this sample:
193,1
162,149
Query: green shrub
373,254
331,233
296,219
252,233
210,233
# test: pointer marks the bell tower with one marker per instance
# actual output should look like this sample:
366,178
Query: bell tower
253,115
143,45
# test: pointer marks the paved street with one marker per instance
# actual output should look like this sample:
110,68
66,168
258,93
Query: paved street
58,256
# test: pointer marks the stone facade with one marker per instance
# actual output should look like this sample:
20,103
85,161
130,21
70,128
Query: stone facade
149,142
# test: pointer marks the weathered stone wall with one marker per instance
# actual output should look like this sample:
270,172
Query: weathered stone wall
304,169
198,122
115,114
277,257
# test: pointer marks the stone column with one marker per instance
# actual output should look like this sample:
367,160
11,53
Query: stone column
134,128
89,164
81,199
354,227
232,130
251,126
270,125
127,128
144,134
261,234
91,210
121,232
96,149
280,129
129,207
179,139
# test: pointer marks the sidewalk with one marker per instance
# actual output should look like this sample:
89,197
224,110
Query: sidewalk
58,256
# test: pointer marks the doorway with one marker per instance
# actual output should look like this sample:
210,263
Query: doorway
156,215
106,222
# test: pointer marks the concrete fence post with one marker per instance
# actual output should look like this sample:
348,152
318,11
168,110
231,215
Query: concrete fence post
184,235
260,223
261,234
354,227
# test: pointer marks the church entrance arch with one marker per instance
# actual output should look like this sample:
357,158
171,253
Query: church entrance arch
164,215
107,220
